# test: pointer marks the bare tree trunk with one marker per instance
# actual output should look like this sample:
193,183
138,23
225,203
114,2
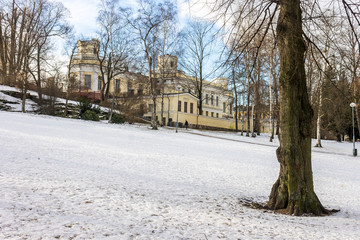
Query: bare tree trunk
236,100
153,96
293,192
248,109
242,115
66,104
318,121
236,115
252,120
38,82
254,103
162,107
153,120
24,90
257,125
112,104
276,105
319,116
199,109
271,103
357,113
355,90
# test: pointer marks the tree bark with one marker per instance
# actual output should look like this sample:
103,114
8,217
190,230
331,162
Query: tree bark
252,119
236,100
257,124
248,109
318,121
271,101
293,192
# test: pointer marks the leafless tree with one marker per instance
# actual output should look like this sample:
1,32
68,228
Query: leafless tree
114,51
52,23
26,28
147,23
168,43
70,80
294,190
199,42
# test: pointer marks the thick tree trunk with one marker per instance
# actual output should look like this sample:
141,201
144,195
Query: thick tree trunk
153,96
200,106
293,192
112,106
153,118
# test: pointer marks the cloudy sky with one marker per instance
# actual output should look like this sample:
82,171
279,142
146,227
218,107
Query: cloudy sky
83,14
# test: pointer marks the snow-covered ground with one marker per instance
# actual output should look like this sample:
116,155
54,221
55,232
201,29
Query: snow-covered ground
72,179
30,106
15,104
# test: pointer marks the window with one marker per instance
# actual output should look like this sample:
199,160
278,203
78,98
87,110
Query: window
230,109
140,89
191,108
207,98
179,106
217,101
87,81
185,107
224,107
212,100
171,64
117,85
207,113
217,115
129,86
151,107
99,83
212,114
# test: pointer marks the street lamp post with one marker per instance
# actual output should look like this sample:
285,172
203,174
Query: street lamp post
177,114
352,105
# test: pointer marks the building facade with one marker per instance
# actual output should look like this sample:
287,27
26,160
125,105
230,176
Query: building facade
176,99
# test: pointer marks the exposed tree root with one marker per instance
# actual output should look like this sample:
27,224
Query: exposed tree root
292,209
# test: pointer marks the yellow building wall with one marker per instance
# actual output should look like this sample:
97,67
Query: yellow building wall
170,111
170,104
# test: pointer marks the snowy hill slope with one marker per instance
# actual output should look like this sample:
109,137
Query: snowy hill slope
72,179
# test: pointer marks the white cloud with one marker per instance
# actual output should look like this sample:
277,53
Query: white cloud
83,16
